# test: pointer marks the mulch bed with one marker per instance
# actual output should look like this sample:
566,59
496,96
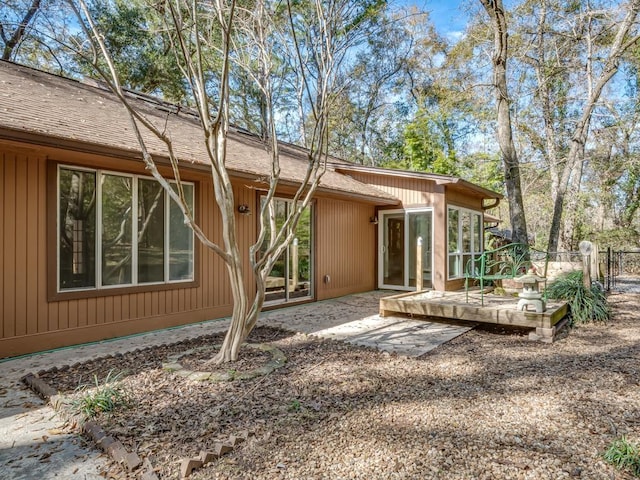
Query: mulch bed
483,406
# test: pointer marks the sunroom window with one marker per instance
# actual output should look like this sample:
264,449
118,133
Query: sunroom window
464,239
119,230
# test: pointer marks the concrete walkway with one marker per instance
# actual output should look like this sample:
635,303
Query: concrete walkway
33,444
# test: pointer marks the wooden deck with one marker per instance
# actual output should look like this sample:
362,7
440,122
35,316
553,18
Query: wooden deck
499,310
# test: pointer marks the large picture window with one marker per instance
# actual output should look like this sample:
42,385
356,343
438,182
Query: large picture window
464,239
119,230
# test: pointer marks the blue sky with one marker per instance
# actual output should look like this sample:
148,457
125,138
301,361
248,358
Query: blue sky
449,16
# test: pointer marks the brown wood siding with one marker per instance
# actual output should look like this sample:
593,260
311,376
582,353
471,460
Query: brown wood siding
30,322
459,199
4,218
410,191
345,248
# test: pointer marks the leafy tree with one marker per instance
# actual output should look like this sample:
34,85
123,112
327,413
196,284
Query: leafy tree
140,48
16,20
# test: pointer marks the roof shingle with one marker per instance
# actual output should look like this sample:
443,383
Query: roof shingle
39,103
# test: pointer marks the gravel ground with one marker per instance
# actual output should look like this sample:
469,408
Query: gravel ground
487,405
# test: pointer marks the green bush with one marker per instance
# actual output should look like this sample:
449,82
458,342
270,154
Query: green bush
100,398
624,455
587,305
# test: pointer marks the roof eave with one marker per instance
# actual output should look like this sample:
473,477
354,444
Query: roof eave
437,178
41,140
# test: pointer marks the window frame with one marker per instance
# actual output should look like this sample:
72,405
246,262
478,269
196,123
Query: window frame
474,250
54,293
288,300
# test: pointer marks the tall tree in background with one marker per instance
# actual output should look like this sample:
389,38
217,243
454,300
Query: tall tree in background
496,13
600,69
14,24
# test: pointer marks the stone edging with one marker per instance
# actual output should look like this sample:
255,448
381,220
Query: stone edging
278,359
188,465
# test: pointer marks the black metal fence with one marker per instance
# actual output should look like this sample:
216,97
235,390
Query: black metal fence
619,263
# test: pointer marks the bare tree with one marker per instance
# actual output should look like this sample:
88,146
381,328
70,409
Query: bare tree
495,10
193,26
11,35
598,76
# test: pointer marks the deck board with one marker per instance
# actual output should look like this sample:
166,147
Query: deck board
498,310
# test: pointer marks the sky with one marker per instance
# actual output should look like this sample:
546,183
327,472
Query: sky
449,16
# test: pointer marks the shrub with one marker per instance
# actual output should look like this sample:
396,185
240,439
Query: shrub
104,398
624,455
586,304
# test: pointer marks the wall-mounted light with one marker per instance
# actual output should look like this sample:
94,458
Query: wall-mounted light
373,220
244,209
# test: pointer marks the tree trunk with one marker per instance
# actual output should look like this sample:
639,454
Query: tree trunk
505,134
595,86
11,42
568,236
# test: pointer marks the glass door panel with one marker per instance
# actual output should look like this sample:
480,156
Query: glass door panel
393,248
300,258
420,225
399,235
290,277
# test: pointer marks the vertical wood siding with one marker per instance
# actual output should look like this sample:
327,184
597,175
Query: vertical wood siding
30,322
345,248
3,221
410,191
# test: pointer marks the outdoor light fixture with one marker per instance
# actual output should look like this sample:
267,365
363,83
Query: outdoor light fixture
244,209
373,220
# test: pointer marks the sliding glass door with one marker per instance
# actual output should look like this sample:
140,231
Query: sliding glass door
290,277
398,235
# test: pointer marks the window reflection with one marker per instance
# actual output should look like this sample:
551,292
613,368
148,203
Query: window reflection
154,246
77,215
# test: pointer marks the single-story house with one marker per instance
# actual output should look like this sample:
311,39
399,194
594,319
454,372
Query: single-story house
91,248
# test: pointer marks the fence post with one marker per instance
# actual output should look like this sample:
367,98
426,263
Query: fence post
586,248
419,265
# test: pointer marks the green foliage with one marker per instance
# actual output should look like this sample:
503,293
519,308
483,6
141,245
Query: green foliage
485,170
429,146
140,47
295,405
101,398
586,305
624,238
624,455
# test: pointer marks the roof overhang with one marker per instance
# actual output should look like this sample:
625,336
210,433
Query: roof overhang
36,139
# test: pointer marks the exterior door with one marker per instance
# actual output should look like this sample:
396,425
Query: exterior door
394,250
291,276
398,236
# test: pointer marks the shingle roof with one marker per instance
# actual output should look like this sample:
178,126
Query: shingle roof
45,105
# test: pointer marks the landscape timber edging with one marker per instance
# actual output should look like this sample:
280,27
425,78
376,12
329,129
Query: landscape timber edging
114,448
108,444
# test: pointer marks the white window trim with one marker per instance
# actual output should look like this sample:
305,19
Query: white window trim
459,251
134,230
381,253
